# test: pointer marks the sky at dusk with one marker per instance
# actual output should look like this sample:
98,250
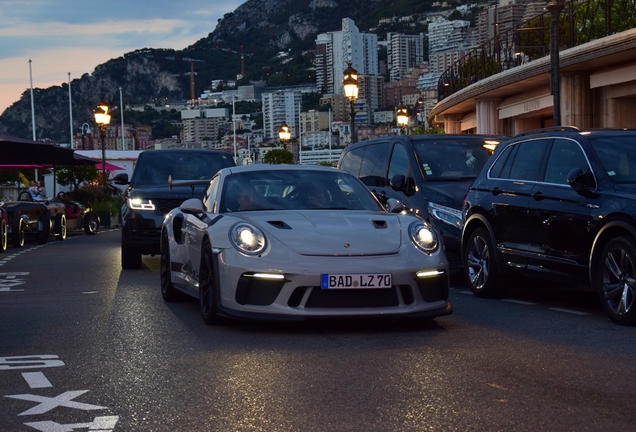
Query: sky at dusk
62,36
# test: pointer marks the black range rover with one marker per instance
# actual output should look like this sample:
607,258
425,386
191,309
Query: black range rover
557,203
149,197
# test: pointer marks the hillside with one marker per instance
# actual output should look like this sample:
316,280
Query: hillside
261,27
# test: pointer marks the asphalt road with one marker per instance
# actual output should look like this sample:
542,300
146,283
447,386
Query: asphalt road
87,346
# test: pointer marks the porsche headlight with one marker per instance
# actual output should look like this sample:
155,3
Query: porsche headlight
140,204
247,238
445,214
423,236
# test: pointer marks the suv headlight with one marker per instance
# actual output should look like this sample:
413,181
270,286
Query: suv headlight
445,214
247,238
140,204
423,236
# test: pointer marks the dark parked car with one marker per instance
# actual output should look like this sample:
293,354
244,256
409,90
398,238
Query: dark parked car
430,174
149,198
557,203
27,218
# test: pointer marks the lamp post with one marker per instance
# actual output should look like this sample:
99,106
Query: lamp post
402,117
102,118
350,85
284,133
88,130
555,7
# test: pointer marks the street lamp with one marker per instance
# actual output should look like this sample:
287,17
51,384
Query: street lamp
402,117
284,133
350,85
555,7
88,130
102,118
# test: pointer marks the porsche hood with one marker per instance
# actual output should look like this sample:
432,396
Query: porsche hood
324,232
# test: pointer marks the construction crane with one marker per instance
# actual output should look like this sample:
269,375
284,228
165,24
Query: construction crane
231,51
191,73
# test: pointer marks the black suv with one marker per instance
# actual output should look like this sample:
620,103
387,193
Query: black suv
557,203
430,174
149,197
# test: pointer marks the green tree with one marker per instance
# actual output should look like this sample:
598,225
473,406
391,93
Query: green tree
279,156
76,175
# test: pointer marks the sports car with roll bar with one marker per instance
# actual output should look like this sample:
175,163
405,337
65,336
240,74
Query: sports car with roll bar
296,242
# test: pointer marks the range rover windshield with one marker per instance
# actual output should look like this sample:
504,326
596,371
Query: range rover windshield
453,159
154,167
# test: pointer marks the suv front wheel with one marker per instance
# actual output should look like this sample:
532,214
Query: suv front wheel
480,267
617,280
130,258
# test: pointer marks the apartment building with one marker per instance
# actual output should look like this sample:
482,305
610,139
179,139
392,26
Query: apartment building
404,52
279,107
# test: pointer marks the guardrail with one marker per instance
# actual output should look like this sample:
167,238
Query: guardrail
579,22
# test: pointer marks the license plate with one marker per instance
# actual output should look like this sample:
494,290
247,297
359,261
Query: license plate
347,281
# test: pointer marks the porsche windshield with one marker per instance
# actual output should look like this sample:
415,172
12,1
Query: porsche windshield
447,159
294,190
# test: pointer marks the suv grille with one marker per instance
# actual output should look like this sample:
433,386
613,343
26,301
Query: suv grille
167,204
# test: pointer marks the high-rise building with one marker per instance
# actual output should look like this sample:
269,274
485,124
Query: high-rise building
335,50
279,107
404,52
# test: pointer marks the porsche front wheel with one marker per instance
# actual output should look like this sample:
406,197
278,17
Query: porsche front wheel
207,296
168,291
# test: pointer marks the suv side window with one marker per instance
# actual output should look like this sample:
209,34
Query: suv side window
352,160
498,166
527,161
374,164
564,155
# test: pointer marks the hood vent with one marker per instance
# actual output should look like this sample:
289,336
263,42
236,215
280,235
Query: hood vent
279,225
380,224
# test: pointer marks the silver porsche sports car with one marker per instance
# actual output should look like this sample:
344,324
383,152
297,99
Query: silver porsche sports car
292,242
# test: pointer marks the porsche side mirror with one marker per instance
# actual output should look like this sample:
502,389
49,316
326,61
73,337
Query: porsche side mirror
192,206
394,206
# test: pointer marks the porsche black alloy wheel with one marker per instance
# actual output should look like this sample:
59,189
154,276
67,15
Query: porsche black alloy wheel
207,298
3,235
480,267
168,291
617,280
60,226
18,231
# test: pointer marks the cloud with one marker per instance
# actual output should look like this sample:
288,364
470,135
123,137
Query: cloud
62,36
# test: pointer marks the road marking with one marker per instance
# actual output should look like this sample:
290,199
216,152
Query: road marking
570,311
46,404
90,292
467,292
99,424
36,380
30,362
519,302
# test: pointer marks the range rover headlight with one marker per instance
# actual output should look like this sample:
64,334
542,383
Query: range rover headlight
247,238
445,214
140,204
423,236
